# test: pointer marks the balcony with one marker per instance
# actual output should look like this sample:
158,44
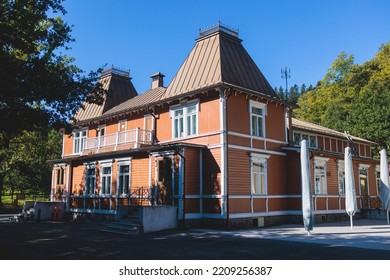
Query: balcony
134,138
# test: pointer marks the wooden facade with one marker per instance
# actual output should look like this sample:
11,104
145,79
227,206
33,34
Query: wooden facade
216,143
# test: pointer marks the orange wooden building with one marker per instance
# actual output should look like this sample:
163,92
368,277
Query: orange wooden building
217,143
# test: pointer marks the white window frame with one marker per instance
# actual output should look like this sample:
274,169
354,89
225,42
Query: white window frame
341,177
259,159
185,115
119,164
320,162
80,139
91,188
263,107
104,177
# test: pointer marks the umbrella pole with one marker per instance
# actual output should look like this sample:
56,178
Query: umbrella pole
387,217
350,218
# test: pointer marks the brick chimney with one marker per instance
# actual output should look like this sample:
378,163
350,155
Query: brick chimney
157,80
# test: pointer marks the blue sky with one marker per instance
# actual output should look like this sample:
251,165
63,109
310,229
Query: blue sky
156,36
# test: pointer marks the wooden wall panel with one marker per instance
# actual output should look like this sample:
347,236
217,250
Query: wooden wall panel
239,181
192,174
139,173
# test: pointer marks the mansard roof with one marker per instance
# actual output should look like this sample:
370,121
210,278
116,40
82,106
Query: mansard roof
218,58
119,89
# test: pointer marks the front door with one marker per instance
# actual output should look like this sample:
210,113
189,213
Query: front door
165,181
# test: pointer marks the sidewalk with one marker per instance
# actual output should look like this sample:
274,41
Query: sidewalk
367,234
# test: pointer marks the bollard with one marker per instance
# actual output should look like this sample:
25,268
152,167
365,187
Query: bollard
39,215
55,213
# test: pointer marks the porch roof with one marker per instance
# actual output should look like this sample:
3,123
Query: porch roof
135,153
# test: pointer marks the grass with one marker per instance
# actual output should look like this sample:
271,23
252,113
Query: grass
7,201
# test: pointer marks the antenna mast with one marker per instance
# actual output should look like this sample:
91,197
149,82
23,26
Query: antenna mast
286,74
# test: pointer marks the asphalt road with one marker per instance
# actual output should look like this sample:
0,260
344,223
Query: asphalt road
81,241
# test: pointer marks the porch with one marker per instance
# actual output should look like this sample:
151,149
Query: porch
109,204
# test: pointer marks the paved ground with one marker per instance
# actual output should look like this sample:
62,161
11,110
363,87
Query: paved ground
369,239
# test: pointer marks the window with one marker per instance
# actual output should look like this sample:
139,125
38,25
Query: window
259,174
184,120
341,176
378,180
79,138
297,139
123,179
320,176
257,111
90,179
311,139
60,175
106,180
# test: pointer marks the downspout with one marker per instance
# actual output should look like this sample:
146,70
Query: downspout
69,187
225,209
290,128
183,184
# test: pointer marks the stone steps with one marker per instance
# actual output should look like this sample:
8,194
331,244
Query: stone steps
130,225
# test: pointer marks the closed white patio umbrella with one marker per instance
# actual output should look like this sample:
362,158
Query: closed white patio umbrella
384,184
350,193
307,203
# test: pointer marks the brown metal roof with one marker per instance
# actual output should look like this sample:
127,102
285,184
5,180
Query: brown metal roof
142,100
307,126
217,58
119,89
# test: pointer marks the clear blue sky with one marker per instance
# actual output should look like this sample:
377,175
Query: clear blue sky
156,36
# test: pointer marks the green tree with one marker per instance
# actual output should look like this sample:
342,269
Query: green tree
353,98
293,94
41,86
26,164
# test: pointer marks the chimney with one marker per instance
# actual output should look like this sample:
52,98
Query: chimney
157,80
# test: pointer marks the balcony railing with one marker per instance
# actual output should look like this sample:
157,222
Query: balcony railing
135,136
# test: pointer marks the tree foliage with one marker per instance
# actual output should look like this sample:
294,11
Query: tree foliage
353,98
40,85
26,162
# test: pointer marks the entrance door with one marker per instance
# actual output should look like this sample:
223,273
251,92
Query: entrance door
165,181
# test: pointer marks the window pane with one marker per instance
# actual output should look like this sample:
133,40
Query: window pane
313,141
305,137
124,169
297,139
260,127
191,109
181,127
178,113
257,111
194,124
189,125
126,184
176,128
254,126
